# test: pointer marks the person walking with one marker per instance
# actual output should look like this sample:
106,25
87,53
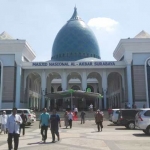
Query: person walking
24,120
54,125
44,123
13,126
75,111
82,115
3,122
70,117
66,121
99,120
91,107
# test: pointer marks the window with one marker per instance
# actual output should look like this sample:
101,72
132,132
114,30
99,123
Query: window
129,112
8,112
147,113
117,112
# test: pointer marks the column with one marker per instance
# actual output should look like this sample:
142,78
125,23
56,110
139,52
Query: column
43,88
39,103
84,81
49,85
18,85
48,103
129,83
1,83
64,81
104,86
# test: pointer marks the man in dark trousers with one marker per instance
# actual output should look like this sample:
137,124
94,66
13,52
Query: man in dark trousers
44,123
24,120
99,120
13,125
82,117
54,125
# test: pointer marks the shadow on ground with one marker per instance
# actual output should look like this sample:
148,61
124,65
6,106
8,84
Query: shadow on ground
141,135
37,143
123,129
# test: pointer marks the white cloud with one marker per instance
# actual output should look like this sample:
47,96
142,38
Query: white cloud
107,24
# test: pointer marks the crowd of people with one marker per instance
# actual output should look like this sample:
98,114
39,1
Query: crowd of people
14,123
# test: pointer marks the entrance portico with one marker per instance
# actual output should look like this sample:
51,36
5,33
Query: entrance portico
69,77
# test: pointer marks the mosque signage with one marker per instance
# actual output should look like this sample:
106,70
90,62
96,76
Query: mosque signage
96,63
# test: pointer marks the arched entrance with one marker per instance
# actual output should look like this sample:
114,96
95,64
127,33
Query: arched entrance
74,82
53,85
114,92
94,81
33,91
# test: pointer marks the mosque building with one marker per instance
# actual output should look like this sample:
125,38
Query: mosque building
75,64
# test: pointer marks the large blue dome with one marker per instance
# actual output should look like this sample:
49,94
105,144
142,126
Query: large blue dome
75,41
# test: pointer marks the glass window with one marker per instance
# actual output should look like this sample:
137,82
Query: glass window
19,111
129,112
147,113
8,112
117,112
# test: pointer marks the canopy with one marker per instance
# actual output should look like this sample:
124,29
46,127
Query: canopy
73,93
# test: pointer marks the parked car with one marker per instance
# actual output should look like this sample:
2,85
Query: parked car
29,113
142,120
114,116
127,117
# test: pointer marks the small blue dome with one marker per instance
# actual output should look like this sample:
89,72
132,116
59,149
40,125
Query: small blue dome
75,41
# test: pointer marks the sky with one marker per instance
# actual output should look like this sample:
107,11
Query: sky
39,21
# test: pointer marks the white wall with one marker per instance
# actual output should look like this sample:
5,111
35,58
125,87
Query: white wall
140,58
8,105
8,59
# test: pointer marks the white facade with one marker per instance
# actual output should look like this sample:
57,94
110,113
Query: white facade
24,83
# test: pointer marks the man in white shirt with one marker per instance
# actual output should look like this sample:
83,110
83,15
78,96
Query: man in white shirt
70,118
13,127
3,122
91,108
76,111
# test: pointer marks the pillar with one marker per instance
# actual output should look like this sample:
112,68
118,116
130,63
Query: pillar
84,81
1,83
129,83
43,88
48,103
18,85
64,81
104,86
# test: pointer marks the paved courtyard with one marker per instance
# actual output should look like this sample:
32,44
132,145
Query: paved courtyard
84,137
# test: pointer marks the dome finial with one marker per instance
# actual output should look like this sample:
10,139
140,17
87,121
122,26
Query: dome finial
75,14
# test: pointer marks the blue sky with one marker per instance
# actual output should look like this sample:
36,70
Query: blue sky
38,21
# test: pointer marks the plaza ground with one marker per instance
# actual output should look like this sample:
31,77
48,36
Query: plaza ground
83,137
